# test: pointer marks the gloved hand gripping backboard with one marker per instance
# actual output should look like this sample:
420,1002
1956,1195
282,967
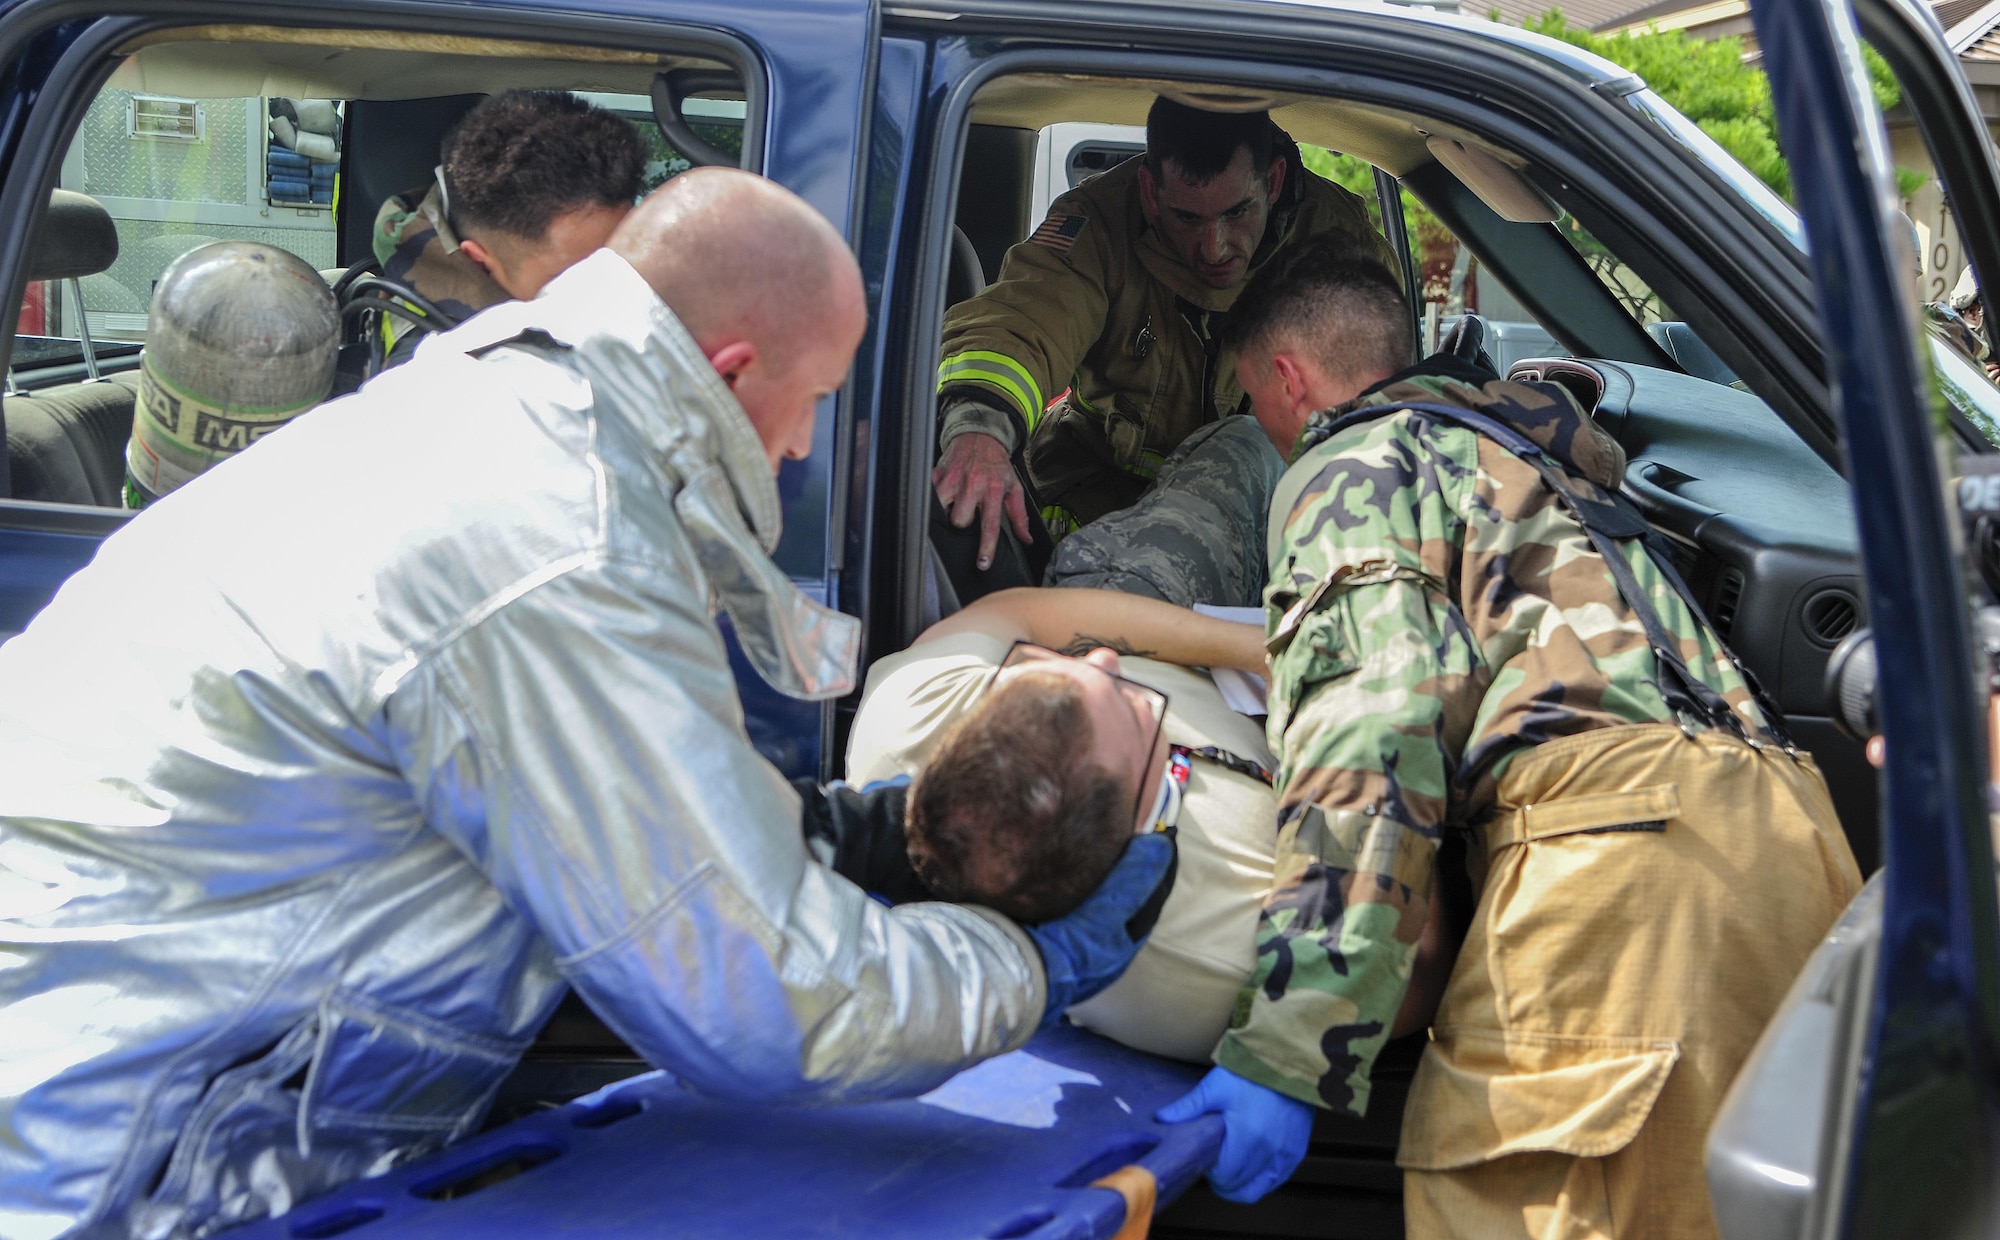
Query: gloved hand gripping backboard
1265,1133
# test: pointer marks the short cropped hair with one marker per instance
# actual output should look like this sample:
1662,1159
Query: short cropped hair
1330,297
1203,144
1012,811
524,157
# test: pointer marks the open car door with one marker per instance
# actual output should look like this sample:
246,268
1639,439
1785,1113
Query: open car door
1869,1107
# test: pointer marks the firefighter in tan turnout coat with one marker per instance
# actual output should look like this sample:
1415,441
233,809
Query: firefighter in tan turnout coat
1116,304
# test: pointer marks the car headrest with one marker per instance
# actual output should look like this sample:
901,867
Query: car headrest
76,239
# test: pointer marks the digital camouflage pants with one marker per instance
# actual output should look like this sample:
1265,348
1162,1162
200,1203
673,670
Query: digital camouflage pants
1196,535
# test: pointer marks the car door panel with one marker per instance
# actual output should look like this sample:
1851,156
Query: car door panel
41,546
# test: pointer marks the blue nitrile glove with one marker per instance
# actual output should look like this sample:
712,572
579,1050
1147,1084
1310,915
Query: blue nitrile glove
1086,949
1264,1133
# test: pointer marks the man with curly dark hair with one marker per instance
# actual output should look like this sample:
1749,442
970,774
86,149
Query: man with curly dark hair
536,179
529,182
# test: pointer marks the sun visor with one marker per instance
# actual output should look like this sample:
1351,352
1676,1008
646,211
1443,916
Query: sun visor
1493,183
1225,98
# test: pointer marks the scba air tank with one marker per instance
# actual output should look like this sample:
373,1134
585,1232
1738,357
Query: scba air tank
240,339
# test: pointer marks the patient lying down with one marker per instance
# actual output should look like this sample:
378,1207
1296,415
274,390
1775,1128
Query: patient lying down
1029,778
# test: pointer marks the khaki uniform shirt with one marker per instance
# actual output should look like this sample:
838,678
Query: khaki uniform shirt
1096,303
1176,997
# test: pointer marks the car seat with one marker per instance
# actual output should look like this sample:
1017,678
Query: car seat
952,575
966,277
392,145
1468,340
66,444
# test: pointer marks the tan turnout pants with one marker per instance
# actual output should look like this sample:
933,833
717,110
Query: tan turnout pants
1649,898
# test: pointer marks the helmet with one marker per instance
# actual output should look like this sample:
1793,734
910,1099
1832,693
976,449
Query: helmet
1966,291
240,339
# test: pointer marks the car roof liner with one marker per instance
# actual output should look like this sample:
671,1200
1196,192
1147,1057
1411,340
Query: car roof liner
224,62
1385,138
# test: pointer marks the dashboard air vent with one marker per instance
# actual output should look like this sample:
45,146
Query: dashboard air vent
1829,616
1728,597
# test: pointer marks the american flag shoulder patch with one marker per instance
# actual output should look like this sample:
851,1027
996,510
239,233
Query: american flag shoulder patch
1059,231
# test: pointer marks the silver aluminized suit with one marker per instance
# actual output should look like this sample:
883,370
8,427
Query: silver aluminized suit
319,784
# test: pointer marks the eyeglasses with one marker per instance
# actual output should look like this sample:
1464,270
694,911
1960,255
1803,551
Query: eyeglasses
1026,654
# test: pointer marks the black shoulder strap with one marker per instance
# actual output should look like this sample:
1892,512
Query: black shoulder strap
1609,518
1248,767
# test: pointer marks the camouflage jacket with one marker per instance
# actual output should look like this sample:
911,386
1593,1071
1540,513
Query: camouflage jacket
1433,610
1095,302
1948,325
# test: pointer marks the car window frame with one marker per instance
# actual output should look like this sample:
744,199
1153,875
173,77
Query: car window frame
1949,120
1974,406
1785,350
1396,230
88,61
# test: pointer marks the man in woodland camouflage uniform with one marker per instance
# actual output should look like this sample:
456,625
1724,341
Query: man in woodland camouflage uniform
1454,651
1098,351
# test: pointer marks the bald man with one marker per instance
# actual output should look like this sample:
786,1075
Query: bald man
293,867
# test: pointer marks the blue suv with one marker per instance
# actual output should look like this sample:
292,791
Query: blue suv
1788,426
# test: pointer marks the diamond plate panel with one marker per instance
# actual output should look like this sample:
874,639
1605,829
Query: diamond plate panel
211,170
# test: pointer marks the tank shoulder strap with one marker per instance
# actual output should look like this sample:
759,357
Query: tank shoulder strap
1608,518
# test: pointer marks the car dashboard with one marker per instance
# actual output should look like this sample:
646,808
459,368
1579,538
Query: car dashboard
1762,528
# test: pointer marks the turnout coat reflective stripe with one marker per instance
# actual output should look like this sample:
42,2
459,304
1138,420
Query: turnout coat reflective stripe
319,784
